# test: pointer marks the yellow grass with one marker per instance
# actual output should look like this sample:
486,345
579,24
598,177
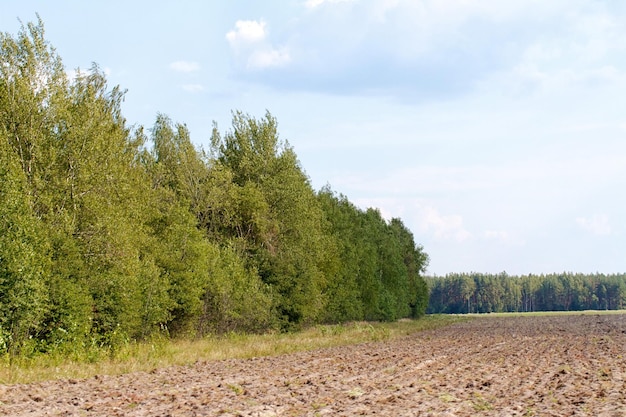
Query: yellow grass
163,352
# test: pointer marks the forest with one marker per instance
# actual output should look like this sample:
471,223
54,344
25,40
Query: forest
494,293
112,232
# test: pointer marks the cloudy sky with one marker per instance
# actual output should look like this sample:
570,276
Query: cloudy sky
495,129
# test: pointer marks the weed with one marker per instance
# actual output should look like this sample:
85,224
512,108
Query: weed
480,403
604,373
94,359
448,398
318,406
237,389
355,393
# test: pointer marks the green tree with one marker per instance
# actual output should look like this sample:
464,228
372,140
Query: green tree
379,272
86,184
416,262
179,165
344,291
277,221
23,262
106,239
235,298
211,288
175,254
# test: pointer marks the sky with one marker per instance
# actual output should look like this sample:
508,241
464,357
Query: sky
496,130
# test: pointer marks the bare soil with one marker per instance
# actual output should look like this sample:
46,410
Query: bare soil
572,365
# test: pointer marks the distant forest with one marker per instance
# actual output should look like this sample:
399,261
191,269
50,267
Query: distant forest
489,293
110,232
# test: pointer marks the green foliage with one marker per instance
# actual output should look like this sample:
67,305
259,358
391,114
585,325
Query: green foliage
79,161
277,224
23,263
379,265
235,298
109,236
489,293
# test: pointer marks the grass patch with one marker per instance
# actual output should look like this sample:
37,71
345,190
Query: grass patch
163,352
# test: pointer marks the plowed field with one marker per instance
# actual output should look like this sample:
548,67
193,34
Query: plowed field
573,365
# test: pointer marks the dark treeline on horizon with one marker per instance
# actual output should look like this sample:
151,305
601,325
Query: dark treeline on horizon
111,233
495,293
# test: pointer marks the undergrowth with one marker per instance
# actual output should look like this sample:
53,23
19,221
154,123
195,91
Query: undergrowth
160,351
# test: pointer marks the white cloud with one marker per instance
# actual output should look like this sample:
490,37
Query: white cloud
598,224
427,218
269,58
413,50
583,49
185,66
252,49
424,179
312,4
247,32
504,237
193,88
388,207
443,227
496,234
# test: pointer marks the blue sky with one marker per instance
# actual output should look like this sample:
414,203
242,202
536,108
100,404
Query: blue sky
495,129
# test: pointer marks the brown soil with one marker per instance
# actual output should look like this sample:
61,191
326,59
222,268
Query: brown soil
525,366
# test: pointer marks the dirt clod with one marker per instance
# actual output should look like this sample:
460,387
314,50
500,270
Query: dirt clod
518,366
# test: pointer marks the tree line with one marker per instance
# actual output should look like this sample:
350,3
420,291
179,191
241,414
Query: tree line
110,232
490,293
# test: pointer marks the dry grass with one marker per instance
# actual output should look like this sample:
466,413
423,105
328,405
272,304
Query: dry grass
159,353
